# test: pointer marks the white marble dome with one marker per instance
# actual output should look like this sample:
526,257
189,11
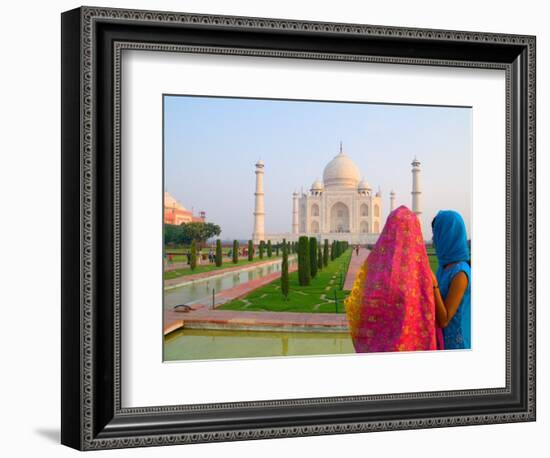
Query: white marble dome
317,185
341,172
363,185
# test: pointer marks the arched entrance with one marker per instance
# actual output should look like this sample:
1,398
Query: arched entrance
339,218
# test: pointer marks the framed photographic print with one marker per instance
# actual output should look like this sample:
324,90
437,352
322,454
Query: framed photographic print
267,223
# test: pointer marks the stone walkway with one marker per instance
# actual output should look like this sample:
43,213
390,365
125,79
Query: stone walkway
205,318
354,265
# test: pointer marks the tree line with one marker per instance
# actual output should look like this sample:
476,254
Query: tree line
264,249
185,233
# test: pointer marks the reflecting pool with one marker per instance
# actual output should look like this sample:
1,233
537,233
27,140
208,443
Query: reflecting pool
192,344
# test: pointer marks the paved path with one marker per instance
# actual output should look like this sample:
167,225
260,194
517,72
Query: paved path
205,318
173,282
354,265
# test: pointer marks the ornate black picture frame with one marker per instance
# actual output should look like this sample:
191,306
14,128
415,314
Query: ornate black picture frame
92,415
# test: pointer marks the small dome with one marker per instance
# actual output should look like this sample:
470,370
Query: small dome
363,185
317,186
341,172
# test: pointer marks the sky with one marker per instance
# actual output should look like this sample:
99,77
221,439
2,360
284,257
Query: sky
212,143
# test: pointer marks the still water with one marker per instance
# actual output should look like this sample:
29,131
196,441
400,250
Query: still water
189,344
201,290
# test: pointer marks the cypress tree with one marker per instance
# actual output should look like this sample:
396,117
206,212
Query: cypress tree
193,261
277,249
284,273
304,274
325,253
313,256
261,249
219,253
250,250
319,258
332,251
269,249
235,251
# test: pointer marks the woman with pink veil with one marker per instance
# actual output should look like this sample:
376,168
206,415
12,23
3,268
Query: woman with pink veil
391,306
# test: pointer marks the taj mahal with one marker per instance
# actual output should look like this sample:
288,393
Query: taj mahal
342,206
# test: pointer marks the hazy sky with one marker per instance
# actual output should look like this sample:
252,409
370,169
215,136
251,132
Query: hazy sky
212,144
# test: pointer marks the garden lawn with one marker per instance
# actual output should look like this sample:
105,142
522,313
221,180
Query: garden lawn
318,297
168,275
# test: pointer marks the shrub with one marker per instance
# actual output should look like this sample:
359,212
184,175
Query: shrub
219,255
284,273
250,250
235,251
193,259
313,256
304,272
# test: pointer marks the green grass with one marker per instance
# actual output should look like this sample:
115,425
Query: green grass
168,275
314,298
434,264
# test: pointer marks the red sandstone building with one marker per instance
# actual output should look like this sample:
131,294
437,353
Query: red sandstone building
176,213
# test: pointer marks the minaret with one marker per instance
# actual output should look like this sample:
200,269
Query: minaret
416,192
294,212
392,200
259,213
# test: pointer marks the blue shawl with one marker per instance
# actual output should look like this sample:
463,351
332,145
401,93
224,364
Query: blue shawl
449,237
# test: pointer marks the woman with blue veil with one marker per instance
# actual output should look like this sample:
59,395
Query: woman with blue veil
452,282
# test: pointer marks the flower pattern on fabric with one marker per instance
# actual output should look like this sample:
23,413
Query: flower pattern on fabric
391,306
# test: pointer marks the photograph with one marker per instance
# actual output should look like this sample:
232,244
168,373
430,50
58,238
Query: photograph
314,227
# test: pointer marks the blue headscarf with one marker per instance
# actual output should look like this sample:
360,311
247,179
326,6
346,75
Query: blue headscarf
450,239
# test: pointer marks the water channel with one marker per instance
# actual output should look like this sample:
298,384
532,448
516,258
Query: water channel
200,291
